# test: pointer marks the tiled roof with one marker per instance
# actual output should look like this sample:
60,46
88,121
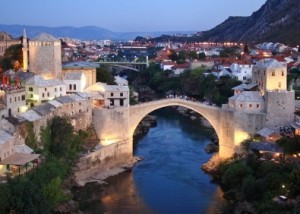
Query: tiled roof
266,146
4,136
30,115
39,81
74,75
250,96
269,63
44,109
43,37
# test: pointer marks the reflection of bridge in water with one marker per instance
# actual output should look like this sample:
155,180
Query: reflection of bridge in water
127,65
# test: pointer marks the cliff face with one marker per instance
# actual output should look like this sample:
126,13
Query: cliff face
275,21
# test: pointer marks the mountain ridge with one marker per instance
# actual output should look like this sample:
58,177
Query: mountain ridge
275,21
83,33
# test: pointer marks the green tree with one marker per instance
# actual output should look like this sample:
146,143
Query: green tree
105,76
233,176
30,139
202,56
53,192
61,136
13,58
252,188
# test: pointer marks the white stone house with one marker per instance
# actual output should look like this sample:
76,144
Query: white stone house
75,81
39,90
13,101
242,72
167,65
113,95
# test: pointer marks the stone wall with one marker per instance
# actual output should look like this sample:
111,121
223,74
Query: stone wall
236,127
111,123
280,107
104,159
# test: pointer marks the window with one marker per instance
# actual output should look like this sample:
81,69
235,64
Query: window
241,105
10,100
31,95
111,94
79,104
250,105
60,89
43,95
121,94
15,99
55,89
121,102
282,73
279,85
48,94
74,86
273,73
257,106
112,102
30,89
70,87
19,98
45,89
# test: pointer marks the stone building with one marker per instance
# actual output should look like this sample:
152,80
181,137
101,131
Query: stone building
267,94
75,81
87,68
12,101
113,95
6,41
270,75
6,147
45,56
40,90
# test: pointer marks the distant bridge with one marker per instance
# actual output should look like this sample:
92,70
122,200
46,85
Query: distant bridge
135,66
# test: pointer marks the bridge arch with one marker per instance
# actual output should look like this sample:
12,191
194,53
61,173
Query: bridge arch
138,112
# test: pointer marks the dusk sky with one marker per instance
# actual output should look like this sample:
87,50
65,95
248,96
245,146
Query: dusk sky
126,15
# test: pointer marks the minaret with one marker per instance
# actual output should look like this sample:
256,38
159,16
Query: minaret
25,51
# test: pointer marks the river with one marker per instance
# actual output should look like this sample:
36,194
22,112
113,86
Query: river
168,180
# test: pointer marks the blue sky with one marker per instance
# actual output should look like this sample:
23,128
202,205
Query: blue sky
126,15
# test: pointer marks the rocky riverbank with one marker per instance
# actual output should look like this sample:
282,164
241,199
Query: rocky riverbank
144,126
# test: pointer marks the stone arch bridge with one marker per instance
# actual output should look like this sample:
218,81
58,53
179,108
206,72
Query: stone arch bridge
118,124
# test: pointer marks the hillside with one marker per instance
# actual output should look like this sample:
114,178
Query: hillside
275,21
83,33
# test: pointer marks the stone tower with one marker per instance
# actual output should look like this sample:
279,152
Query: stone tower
270,75
25,51
45,56
271,78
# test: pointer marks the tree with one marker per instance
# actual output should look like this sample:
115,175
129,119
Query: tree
105,76
202,56
61,136
13,58
246,49
53,192
30,139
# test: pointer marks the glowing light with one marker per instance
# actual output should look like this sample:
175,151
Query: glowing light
106,142
240,136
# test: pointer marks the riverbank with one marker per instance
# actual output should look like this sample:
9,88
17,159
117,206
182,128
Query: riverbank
252,185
